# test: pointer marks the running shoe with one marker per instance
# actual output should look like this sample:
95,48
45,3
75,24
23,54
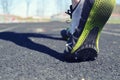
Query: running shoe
88,19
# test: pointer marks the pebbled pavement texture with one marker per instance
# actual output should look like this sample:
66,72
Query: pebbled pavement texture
34,51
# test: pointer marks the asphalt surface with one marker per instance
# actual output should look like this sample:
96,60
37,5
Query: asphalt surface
33,51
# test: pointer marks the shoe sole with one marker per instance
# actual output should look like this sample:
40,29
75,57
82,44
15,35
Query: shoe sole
87,45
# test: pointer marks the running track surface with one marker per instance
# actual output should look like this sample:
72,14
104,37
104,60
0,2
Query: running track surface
32,51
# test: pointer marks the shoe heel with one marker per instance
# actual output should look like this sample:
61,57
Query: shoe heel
87,45
88,50
97,18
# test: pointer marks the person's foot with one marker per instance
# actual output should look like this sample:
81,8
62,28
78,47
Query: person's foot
92,15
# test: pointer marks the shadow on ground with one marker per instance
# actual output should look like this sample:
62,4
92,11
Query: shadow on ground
22,39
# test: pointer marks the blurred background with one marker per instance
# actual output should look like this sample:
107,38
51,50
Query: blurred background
41,10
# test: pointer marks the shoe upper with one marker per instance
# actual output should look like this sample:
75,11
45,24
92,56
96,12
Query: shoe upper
79,17
76,16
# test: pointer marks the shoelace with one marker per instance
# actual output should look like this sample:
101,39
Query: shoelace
70,11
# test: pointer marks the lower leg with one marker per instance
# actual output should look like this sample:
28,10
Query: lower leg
74,3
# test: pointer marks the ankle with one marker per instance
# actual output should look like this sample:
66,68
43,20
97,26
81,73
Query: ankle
74,3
